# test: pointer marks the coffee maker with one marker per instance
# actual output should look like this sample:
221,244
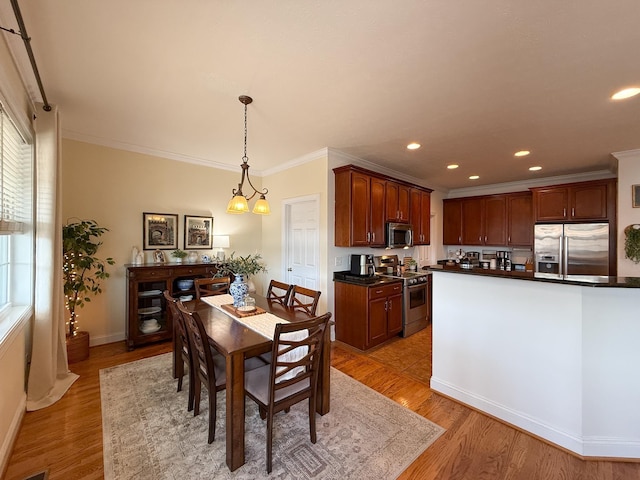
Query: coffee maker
504,260
362,265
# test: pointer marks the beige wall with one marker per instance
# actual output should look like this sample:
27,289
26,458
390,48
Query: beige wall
628,175
307,179
115,187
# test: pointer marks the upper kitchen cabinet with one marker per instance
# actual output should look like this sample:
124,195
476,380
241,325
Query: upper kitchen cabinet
420,217
497,220
398,196
360,208
366,200
520,219
584,201
452,221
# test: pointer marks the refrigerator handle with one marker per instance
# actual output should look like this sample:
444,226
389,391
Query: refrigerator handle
564,255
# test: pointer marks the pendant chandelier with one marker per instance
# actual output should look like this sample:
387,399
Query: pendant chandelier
240,201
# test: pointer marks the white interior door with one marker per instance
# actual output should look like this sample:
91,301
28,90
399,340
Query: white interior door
302,256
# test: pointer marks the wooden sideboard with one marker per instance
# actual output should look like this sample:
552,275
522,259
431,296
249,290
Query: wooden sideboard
145,300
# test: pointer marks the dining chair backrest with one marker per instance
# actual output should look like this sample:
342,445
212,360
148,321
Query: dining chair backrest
211,286
206,372
181,347
292,376
304,299
279,292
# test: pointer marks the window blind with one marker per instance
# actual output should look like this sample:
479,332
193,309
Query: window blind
13,176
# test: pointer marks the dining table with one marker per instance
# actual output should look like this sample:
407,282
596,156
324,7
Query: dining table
237,342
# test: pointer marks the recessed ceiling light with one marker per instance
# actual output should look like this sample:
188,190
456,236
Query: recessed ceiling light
626,93
535,169
453,166
522,153
413,146
474,177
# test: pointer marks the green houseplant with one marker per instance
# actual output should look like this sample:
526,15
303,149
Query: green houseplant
632,243
83,270
179,255
241,268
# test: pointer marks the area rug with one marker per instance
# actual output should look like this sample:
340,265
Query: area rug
148,433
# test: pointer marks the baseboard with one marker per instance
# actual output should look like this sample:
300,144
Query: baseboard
95,340
12,435
603,448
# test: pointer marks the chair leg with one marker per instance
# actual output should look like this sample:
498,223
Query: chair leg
312,419
192,381
179,370
269,438
196,396
212,415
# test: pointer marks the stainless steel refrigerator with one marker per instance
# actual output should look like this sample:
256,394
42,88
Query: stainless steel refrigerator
572,249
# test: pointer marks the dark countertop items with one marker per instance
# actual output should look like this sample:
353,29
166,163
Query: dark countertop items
348,277
583,280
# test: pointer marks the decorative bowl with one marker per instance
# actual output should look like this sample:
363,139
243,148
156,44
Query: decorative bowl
185,283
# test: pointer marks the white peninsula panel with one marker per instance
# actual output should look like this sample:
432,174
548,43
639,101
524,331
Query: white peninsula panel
555,359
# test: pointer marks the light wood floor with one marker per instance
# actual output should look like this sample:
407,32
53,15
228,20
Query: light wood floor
66,438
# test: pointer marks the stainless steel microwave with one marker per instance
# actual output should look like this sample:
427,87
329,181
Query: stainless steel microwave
399,235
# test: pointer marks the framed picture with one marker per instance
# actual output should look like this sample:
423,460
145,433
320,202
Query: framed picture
635,196
198,233
160,231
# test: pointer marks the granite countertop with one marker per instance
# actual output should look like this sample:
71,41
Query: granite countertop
582,280
376,280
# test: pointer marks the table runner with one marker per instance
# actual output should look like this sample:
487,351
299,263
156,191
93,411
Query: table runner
265,325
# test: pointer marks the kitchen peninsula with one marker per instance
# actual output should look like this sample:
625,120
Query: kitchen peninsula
554,356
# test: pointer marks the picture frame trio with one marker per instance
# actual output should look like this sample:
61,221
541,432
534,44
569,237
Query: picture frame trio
160,232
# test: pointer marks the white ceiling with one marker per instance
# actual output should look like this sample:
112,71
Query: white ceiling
471,81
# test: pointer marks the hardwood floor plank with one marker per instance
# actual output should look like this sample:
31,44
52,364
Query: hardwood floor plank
66,438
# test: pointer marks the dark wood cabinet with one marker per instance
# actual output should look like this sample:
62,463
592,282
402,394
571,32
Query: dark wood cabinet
520,219
576,202
145,299
496,220
398,197
364,201
452,221
420,216
367,316
360,209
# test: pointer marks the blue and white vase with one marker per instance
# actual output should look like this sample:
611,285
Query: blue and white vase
238,289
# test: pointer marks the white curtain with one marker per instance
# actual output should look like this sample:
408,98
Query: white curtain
49,375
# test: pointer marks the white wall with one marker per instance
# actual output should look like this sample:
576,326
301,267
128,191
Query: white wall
628,175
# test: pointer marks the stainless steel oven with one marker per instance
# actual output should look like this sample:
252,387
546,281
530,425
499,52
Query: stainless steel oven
415,294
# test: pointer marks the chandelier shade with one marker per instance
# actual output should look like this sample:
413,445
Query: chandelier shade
239,202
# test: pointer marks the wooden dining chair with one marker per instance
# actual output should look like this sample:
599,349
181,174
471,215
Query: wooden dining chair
304,299
279,292
181,348
291,378
211,286
209,369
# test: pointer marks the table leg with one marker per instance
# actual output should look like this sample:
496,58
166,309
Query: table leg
235,410
324,376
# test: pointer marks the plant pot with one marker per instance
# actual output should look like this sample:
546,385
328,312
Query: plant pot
78,347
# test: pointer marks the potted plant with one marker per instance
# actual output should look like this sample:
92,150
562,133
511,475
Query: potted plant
179,255
241,268
632,243
83,272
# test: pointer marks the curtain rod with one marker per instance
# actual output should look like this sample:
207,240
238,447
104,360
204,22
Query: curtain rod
27,43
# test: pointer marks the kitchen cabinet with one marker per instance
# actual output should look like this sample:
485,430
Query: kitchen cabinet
420,216
397,199
145,299
584,201
497,220
520,219
366,316
360,209
452,221
366,200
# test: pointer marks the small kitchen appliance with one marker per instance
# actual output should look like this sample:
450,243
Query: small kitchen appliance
362,265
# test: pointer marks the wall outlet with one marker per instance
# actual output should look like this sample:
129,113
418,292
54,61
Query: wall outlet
339,261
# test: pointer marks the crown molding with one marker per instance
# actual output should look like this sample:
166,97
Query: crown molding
309,157
627,154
